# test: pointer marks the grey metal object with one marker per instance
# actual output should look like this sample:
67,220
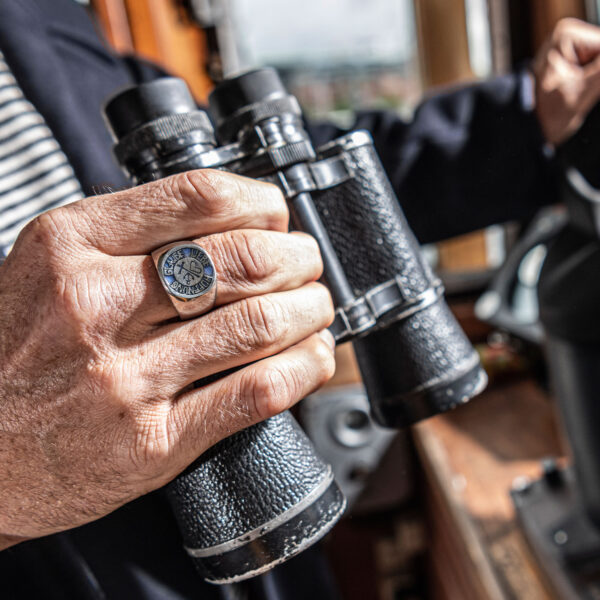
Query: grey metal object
564,540
583,201
207,13
510,301
338,423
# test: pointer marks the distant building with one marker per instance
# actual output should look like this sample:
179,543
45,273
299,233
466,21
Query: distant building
334,54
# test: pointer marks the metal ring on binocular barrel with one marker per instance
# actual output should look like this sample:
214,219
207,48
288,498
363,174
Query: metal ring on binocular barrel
274,542
189,277
380,301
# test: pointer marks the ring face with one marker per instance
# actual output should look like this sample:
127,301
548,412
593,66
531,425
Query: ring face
186,271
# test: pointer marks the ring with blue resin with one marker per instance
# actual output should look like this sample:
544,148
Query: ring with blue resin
188,275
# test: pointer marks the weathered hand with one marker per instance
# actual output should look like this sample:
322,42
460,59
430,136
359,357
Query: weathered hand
567,73
96,405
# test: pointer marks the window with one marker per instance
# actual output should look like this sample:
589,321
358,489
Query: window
333,54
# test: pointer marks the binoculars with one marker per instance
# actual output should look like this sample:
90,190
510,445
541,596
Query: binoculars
262,495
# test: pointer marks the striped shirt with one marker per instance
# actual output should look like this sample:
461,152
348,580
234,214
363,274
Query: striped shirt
35,174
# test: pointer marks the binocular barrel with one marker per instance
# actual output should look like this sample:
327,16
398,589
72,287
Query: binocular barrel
254,500
414,358
416,362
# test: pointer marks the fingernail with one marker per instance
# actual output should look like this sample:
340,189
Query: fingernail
328,338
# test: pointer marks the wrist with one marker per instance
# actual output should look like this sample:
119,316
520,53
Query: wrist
528,89
529,103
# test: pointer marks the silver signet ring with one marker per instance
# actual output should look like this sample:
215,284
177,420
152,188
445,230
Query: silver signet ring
189,277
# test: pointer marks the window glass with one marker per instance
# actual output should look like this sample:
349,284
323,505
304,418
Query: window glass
335,55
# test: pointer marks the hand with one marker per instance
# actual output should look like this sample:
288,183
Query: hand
567,75
96,406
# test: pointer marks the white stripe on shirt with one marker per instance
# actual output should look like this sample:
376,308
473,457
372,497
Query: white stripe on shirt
34,172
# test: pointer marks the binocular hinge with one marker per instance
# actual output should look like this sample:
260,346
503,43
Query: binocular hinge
381,299
310,177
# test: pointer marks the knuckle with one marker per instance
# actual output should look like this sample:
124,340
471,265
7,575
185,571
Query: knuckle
208,192
564,27
269,391
51,230
265,320
568,23
325,361
106,381
273,205
251,257
314,251
326,304
74,300
151,444
309,253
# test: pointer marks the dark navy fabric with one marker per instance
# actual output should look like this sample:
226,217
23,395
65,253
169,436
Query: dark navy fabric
469,158
65,71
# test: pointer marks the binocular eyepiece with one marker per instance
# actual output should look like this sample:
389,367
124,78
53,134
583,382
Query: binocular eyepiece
414,358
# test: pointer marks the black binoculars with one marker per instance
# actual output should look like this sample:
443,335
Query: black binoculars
262,495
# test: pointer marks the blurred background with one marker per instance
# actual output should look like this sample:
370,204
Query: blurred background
339,56
431,516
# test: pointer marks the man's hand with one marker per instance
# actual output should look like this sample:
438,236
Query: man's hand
96,406
567,74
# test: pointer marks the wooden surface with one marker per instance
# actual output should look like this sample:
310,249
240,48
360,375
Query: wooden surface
464,253
471,459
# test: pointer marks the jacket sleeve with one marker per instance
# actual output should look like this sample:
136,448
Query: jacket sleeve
469,158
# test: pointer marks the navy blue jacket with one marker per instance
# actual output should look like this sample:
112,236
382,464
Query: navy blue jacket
469,158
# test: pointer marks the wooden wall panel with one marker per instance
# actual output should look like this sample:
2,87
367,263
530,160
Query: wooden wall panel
464,253
443,47
162,33
546,13
444,60
112,16
159,31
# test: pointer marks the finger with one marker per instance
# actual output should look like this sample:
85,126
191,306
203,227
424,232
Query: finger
201,417
234,335
248,263
184,206
578,41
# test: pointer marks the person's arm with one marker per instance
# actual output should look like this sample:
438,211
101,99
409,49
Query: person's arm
481,154
469,158
96,406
